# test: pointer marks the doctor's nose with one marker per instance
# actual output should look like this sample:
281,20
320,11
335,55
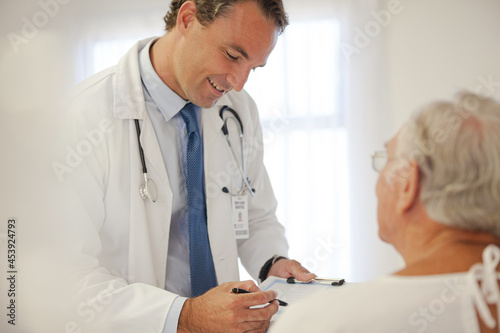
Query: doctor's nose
238,78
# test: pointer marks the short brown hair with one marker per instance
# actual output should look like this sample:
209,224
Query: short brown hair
209,10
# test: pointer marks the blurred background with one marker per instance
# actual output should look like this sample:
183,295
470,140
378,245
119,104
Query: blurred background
343,78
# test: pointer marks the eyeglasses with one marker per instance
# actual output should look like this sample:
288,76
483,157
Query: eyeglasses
379,160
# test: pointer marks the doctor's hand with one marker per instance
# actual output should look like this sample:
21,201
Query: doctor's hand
220,310
286,268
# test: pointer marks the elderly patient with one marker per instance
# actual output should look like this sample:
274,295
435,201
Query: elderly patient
439,206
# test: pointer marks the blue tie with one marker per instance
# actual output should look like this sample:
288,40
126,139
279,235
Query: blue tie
200,257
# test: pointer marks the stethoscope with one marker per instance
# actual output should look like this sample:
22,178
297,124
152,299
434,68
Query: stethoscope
245,183
148,189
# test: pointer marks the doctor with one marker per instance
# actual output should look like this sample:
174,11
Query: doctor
167,256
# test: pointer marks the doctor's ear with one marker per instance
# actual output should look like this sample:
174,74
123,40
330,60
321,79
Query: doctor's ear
186,16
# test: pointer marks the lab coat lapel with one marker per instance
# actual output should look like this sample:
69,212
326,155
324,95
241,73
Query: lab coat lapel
152,153
150,222
149,232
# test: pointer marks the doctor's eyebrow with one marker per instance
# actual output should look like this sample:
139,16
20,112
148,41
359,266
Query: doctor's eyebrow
240,50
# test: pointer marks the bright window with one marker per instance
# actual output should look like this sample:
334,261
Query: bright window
305,137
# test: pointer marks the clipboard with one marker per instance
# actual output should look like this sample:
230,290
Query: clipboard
332,282
298,290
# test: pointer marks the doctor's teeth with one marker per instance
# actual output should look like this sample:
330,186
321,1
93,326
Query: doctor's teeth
216,86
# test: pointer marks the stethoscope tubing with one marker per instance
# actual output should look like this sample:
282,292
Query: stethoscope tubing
141,151
225,131
143,190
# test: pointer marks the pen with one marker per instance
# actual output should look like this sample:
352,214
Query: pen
243,291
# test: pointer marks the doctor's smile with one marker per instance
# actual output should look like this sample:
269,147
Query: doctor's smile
220,90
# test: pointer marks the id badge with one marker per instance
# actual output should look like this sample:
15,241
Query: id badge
239,214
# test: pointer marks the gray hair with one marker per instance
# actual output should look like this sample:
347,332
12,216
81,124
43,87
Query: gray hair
457,148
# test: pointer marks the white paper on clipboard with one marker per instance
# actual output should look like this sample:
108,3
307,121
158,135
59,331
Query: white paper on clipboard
292,292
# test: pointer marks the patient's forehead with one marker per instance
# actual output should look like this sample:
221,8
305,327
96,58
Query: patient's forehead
392,144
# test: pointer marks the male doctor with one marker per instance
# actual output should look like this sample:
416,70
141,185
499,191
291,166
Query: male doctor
166,259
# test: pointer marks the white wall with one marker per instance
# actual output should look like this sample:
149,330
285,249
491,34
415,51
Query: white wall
436,47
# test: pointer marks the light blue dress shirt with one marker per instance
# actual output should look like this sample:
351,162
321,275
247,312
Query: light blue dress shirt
163,106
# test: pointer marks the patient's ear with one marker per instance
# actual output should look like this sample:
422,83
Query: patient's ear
409,188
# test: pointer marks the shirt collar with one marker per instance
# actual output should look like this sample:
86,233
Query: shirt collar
167,101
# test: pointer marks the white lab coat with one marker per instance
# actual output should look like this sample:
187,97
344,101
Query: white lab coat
120,240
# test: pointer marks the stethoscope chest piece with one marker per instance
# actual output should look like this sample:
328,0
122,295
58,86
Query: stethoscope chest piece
148,189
